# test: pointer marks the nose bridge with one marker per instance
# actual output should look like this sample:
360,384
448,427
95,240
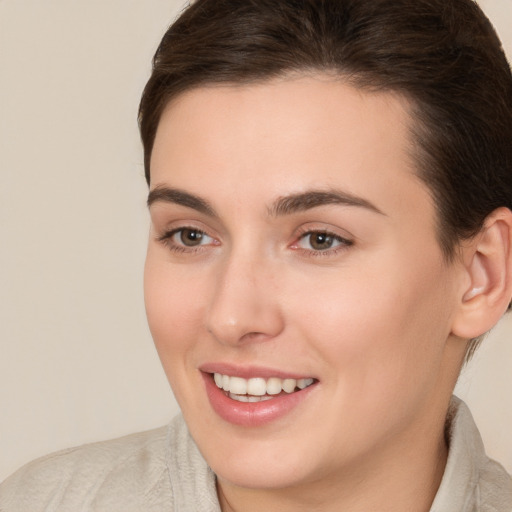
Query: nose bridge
244,304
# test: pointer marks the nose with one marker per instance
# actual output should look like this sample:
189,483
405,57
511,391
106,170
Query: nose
245,302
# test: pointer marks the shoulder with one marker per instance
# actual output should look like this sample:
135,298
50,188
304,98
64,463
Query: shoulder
492,484
494,487
471,481
128,474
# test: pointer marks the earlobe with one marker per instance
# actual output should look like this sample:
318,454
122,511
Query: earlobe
488,265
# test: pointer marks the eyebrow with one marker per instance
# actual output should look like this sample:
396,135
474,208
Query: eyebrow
314,198
180,197
285,205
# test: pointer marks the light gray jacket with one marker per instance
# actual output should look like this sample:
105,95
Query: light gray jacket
162,470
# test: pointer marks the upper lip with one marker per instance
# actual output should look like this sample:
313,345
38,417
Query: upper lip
250,371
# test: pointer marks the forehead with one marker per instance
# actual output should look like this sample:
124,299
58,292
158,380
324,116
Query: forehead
285,136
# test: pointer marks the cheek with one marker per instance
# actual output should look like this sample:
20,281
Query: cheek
380,350
381,327
172,306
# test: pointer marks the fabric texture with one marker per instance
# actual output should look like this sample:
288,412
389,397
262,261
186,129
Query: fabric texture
163,471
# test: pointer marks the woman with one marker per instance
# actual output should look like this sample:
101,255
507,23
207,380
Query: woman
330,190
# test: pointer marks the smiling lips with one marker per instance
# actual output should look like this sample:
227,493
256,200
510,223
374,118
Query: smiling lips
258,389
255,401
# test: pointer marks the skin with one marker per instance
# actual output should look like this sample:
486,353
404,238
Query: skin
371,317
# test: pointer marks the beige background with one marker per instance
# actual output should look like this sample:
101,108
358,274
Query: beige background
77,362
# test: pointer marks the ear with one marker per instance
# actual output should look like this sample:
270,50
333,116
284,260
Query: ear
487,288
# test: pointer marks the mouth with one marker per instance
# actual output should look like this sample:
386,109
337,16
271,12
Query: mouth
258,389
254,396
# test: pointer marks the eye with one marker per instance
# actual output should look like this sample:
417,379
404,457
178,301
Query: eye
186,239
190,237
321,241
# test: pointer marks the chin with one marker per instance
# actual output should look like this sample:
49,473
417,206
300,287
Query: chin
281,460
261,472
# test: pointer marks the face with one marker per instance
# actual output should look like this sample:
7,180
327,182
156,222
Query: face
293,260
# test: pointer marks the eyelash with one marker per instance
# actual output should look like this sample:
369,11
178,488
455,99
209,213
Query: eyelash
344,243
166,240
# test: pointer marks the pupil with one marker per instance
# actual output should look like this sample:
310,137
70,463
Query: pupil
321,241
191,237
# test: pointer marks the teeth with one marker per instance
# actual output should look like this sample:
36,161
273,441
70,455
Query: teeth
274,386
289,385
238,386
248,398
257,388
304,383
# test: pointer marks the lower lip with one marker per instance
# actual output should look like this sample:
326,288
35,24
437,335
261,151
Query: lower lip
252,414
